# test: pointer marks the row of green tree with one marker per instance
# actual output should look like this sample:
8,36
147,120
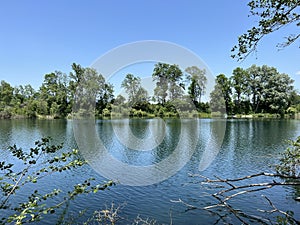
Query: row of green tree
54,98
253,90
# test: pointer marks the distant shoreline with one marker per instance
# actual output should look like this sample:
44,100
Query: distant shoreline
185,116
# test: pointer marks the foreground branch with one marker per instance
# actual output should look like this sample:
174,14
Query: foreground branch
232,188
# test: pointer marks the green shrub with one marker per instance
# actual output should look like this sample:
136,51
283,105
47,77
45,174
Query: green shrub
290,160
26,168
216,114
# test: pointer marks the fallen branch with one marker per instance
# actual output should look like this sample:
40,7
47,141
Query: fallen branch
190,207
223,196
275,209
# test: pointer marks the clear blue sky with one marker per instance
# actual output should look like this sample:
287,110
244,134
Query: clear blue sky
38,37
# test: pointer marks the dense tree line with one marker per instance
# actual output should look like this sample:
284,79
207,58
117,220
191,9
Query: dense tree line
55,97
258,89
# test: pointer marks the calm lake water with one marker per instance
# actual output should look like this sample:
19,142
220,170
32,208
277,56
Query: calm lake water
230,148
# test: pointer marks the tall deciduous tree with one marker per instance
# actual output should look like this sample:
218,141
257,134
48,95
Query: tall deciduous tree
131,84
89,89
6,93
278,92
136,93
198,82
258,80
105,97
75,77
161,76
176,86
54,92
217,102
6,100
239,80
270,91
120,100
225,86
168,82
254,85
24,101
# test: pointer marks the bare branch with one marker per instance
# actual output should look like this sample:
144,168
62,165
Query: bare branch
233,189
190,207
275,209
